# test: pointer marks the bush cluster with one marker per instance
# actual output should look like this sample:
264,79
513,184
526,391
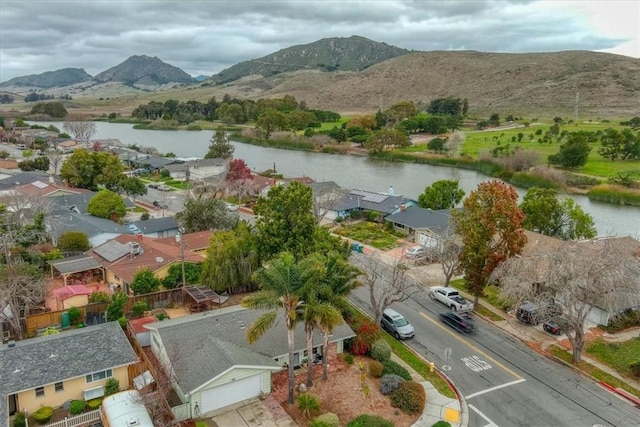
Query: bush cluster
635,368
77,407
625,320
367,333
111,386
94,403
349,358
43,415
375,369
390,383
391,367
20,420
380,350
139,308
325,420
410,397
366,420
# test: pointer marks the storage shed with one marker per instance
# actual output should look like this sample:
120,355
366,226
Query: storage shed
142,334
72,296
124,409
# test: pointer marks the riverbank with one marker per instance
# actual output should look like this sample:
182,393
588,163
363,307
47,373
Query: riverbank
595,188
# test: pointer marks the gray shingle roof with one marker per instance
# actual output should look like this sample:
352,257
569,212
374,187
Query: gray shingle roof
154,225
65,220
46,360
378,202
216,342
419,218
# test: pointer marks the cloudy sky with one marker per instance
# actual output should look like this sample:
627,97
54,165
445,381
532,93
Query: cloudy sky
206,36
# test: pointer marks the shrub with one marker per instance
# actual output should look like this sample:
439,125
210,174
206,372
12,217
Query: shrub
635,368
367,333
366,420
375,369
201,424
389,383
349,358
19,420
43,415
77,407
122,321
99,296
380,350
144,216
139,308
74,315
326,420
410,397
94,403
391,367
441,423
625,320
308,403
111,386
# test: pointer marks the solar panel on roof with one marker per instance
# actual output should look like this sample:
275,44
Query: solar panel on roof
112,250
39,184
368,196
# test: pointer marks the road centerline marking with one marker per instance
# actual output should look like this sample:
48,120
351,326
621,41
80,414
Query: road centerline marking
470,345
498,387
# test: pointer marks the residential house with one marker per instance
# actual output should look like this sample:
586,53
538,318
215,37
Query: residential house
153,164
40,189
532,266
98,230
125,255
158,227
8,184
70,145
212,365
199,170
426,227
260,185
197,242
71,365
383,204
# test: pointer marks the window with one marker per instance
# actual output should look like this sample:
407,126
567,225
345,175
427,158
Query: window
59,387
97,376
39,391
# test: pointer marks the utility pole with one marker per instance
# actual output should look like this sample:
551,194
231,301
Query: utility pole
184,276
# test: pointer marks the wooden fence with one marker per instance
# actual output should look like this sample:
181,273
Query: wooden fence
90,312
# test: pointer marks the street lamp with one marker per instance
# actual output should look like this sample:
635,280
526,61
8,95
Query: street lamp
181,230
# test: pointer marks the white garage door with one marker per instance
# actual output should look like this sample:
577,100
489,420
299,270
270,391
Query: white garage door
230,393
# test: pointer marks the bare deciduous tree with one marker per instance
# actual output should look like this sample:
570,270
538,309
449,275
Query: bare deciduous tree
56,158
323,203
21,289
80,130
567,283
454,142
449,249
387,283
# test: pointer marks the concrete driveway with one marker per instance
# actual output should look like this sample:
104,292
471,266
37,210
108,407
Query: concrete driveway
253,413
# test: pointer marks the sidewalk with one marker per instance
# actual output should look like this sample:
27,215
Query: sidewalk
438,407
543,340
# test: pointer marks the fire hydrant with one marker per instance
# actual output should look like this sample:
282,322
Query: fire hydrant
432,366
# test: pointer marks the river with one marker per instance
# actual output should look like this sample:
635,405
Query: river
407,179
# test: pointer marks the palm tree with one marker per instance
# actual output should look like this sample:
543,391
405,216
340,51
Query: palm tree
340,279
281,284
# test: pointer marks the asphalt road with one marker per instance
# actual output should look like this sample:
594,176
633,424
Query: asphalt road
505,383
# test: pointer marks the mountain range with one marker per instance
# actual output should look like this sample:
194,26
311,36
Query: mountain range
354,74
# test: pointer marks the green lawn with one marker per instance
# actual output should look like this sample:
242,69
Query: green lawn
331,125
618,355
369,233
596,373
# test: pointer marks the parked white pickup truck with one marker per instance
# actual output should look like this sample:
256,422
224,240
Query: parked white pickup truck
450,297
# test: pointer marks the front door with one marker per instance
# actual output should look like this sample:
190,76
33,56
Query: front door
13,404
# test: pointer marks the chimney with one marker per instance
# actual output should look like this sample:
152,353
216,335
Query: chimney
403,207
391,191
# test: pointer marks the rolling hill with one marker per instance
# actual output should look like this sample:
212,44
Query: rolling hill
144,70
49,79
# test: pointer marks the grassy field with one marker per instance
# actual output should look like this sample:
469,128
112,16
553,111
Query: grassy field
478,142
618,355
595,372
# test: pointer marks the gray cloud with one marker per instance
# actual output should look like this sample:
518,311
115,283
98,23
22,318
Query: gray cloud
203,37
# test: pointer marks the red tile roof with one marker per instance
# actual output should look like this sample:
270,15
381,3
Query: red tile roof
69,291
138,324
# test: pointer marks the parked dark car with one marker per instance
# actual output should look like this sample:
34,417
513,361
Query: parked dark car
459,321
159,204
551,327
528,313
152,185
